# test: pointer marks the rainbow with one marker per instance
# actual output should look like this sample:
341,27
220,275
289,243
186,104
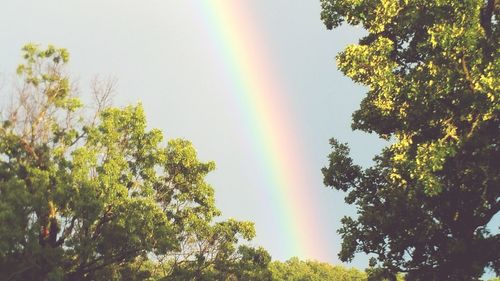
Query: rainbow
260,98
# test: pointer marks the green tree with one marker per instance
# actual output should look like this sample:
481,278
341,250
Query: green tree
297,270
100,197
211,253
432,71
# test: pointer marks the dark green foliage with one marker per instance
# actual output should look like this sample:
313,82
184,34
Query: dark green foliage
432,72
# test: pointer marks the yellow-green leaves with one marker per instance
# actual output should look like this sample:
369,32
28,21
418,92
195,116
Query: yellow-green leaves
367,64
93,196
430,159
370,66
421,65
298,270
432,69
384,13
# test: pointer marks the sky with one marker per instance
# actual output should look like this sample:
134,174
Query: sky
252,84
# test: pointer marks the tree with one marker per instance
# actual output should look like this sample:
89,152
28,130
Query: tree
100,197
297,270
432,72
210,254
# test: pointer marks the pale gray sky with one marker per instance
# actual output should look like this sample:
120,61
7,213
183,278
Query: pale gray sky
158,52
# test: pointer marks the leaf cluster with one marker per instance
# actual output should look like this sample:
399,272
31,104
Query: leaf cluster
431,68
104,198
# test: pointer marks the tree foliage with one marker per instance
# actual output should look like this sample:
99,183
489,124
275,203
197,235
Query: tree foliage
297,270
431,68
101,197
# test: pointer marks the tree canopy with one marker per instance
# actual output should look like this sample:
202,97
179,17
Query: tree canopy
100,196
432,69
298,270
